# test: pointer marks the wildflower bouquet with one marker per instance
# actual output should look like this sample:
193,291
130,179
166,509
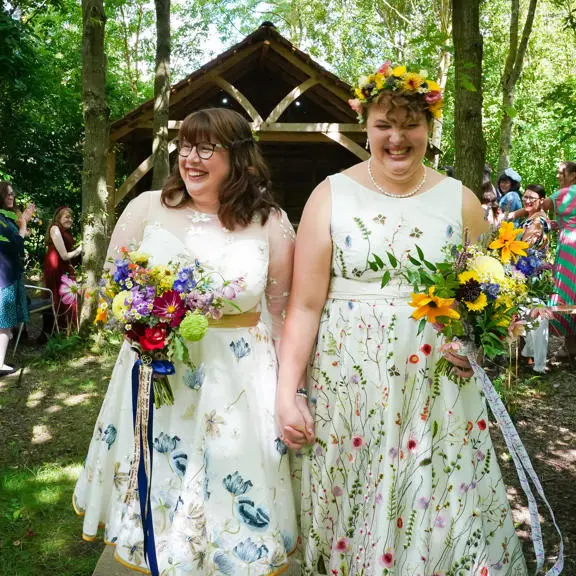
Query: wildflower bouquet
479,293
161,308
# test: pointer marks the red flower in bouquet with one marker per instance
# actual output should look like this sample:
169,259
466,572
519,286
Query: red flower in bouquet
154,338
169,306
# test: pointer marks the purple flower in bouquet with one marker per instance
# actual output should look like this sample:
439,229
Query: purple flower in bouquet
169,306
185,280
143,300
528,265
121,272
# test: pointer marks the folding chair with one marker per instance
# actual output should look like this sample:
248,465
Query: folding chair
37,304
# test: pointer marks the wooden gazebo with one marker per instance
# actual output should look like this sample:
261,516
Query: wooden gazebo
298,110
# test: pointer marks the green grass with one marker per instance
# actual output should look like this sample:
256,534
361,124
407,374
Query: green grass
47,415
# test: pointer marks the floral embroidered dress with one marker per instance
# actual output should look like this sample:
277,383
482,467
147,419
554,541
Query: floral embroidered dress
221,494
403,478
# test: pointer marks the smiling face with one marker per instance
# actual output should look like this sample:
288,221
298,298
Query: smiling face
531,201
9,198
65,219
398,139
505,185
204,179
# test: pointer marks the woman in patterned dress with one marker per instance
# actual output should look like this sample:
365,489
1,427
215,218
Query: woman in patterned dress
401,477
221,494
563,202
13,306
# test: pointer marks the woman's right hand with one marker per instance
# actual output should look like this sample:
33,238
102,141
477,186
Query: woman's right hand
295,422
29,212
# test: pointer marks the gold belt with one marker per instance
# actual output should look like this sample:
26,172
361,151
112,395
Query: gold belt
244,320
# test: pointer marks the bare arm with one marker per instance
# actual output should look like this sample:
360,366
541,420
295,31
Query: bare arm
473,215
310,283
58,241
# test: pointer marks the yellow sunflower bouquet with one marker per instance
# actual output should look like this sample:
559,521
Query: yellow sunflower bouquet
479,293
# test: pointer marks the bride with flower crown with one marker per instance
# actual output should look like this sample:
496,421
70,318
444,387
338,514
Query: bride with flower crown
401,477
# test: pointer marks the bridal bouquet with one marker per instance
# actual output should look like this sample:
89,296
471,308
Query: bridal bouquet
479,293
160,308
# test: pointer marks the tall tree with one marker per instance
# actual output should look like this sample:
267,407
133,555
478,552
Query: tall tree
161,158
469,144
95,203
512,70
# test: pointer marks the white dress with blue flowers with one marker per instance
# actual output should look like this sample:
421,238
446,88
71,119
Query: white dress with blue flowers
221,492
402,479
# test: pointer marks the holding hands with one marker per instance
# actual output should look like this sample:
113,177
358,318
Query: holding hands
294,421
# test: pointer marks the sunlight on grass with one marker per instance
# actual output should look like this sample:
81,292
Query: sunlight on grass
55,473
34,398
40,434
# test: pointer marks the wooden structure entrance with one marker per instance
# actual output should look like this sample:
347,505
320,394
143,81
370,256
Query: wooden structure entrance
298,110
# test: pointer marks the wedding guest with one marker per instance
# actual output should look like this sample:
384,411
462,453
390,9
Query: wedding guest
61,256
13,305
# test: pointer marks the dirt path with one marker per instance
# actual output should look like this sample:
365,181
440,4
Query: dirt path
545,417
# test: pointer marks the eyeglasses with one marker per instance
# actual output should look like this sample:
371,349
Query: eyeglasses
530,199
205,150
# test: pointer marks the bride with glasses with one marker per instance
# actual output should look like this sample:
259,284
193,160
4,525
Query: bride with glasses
221,494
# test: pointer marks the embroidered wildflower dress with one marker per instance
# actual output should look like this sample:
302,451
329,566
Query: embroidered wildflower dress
221,493
402,478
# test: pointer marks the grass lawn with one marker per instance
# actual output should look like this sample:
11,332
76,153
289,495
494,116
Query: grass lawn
47,414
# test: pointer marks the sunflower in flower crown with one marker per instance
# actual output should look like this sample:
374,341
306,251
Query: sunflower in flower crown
396,79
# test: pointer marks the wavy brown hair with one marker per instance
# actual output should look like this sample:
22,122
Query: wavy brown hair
4,186
414,104
246,192
56,221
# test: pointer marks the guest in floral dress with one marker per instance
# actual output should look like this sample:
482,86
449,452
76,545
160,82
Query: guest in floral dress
402,477
221,493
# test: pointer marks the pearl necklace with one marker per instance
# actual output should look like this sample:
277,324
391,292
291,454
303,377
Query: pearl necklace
389,194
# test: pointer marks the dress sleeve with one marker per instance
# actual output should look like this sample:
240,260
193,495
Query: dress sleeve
129,228
281,238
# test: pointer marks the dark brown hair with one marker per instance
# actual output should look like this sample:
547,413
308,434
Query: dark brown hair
414,104
246,192
569,168
56,221
540,190
4,186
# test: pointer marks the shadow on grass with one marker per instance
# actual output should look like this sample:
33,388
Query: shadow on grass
47,416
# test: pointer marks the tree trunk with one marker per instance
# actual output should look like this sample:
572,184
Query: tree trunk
443,16
511,74
470,147
161,157
96,122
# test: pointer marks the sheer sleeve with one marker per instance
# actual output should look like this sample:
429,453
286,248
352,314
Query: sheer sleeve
281,238
130,226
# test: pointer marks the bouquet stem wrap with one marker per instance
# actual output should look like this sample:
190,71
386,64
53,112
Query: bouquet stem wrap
140,479
522,463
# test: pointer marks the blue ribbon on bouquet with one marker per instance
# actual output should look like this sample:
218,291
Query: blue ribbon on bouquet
522,463
141,471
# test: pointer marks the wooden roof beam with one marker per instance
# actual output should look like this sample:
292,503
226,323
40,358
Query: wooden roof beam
138,174
349,144
239,97
290,98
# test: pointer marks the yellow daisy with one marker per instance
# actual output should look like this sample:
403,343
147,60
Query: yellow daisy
399,71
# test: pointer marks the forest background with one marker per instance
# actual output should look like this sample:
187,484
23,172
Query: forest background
41,115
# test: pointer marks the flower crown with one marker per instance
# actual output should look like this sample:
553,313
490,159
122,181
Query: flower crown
396,79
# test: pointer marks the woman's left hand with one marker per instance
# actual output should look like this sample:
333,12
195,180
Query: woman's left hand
462,367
